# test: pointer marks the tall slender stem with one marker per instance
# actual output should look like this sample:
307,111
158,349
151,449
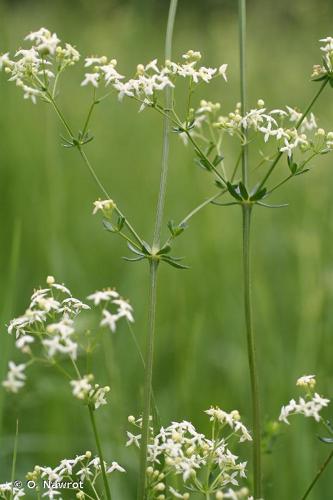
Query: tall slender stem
318,475
100,453
14,461
242,53
154,267
251,351
247,211
148,378
166,127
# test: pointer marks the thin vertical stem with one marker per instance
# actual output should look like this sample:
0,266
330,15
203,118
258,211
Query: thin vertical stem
14,461
247,210
166,129
154,267
318,475
242,53
148,378
100,453
251,351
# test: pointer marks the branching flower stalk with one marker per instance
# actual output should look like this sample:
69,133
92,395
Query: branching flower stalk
153,265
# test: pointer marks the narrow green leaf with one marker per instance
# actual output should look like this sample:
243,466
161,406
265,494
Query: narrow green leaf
135,250
164,250
326,440
233,192
174,263
109,226
243,191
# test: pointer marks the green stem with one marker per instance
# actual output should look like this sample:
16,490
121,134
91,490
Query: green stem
251,350
154,268
247,210
90,167
298,124
201,153
100,454
85,127
242,51
166,128
100,185
148,378
318,475
14,462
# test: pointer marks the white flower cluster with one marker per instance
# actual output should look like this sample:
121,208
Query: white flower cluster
180,450
150,78
50,320
103,69
93,394
232,419
78,472
280,125
321,71
15,377
33,68
307,381
9,491
107,298
47,326
310,406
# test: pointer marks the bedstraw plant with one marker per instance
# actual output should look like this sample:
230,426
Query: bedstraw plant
266,138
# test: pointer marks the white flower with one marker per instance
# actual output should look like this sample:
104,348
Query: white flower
84,390
124,309
232,419
104,206
98,395
62,345
61,288
308,381
4,60
103,296
91,78
82,387
23,342
115,467
222,71
84,473
133,439
308,408
31,93
95,61
15,377
64,328
294,116
109,320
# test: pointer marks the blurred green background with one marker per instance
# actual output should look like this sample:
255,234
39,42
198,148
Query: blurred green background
47,228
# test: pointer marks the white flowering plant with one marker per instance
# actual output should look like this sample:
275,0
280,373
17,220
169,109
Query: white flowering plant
175,461
182,461
50,333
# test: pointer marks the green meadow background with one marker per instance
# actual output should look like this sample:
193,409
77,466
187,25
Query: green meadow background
46,198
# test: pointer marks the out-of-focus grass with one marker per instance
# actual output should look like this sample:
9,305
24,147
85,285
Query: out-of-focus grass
200,352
